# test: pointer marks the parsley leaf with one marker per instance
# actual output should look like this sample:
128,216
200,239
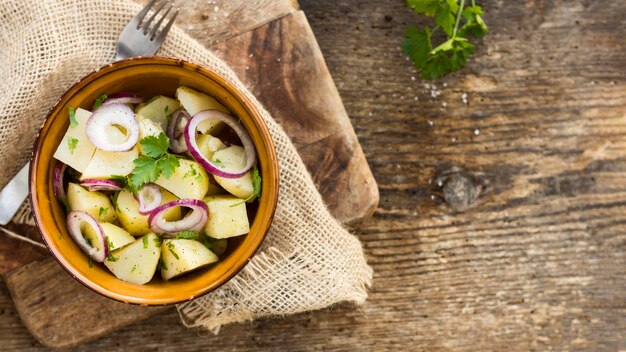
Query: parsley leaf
452,54
99,101
110,258
157,162
256,185
153,146
188,235
145,241
90,262
72,112
103,212
72,143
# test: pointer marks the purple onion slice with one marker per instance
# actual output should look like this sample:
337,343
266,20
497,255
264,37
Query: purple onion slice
194,150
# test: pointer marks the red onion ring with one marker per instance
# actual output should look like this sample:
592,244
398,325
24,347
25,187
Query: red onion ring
149,198
112,114
123,98
57,180
194,221
194,150
94,184
75,222
175,130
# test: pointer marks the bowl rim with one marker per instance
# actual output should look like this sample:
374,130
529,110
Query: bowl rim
246,103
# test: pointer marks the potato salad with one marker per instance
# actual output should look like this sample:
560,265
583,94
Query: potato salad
155,186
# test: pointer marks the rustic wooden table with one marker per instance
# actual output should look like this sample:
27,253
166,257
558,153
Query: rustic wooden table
502,220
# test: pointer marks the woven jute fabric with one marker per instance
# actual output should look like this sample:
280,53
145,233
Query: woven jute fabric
308,260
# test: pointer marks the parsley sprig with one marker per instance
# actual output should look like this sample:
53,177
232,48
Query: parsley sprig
256,186
452,54
156,162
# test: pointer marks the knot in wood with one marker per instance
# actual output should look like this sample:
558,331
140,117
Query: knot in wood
460,191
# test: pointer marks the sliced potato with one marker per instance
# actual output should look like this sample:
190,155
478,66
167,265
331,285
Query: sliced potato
190,180
228,217
95,203
136,262
181,256
107,164
208,145
233,158
194,102
79,156
158,109
147,127
127,209
117,236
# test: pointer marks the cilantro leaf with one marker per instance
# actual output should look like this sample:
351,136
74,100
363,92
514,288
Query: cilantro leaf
157,162
72,113
256,185
72,143
99,101
188,235
426,7
452,53
153,146
168,165
146,170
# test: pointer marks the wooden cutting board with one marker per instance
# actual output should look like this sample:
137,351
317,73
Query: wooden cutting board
271,47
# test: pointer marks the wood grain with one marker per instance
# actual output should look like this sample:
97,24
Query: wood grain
290,77
537,262
286,71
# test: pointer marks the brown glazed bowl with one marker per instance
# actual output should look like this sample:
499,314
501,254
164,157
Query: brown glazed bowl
149,76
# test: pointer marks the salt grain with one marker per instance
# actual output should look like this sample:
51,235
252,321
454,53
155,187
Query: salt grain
247,68
412,78
251,55
216,8
432,197
430,122
477,132
444,104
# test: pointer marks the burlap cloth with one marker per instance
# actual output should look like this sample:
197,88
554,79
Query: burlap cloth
307,262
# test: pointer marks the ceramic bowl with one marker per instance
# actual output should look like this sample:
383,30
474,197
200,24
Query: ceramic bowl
149,76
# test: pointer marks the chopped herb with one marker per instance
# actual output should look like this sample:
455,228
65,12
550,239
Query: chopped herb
188,235
218,161
157,242
90,262
72,143
158,161
256,184
133,269
66,205
145,241
73,122
103,212
114,199
170,247
167,107
110,258
88,240
99,101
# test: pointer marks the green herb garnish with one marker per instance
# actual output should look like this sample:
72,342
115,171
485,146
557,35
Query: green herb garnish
188,235
73,122
99,101
161,265
256,184
157,162
170,247
111,257
90,262
157,242
72,143
133,269
103,212
145,241
452,54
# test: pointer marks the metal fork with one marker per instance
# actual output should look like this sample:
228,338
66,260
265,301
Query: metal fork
138,38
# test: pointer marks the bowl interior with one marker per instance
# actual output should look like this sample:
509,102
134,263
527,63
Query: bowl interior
149,77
